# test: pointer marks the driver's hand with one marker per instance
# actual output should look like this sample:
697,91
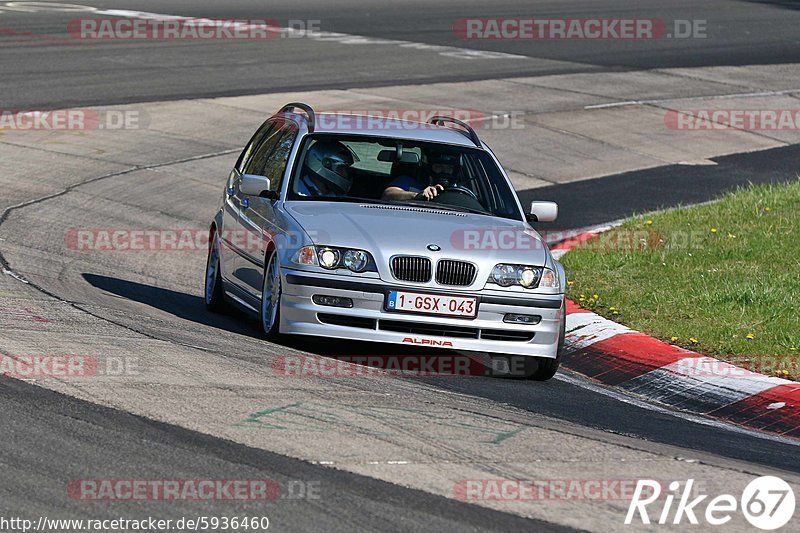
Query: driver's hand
429,193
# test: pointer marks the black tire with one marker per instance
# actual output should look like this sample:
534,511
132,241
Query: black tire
547,368
271,328
526,367
513,366
214,292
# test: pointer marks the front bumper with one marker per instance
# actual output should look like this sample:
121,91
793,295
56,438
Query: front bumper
367,320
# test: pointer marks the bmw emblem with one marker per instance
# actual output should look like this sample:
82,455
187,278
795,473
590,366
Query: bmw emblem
434,247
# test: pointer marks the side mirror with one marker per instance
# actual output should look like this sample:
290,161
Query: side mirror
543,212
254,185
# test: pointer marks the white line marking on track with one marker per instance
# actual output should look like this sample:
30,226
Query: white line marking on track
15,275
342,38
708,97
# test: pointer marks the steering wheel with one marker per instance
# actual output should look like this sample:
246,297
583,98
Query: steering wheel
459,196
460,190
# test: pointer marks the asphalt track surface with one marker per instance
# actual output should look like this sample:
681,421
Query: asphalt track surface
77,434
41,74
38,72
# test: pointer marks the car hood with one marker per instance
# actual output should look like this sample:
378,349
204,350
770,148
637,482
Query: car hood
386,230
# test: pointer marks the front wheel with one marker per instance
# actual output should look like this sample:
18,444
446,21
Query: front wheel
524,366
535,368
547,368
271,298
214,297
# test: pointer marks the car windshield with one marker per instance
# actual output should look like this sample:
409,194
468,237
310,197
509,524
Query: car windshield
398,171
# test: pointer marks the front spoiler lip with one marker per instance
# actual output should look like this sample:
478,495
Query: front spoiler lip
380,336
381,288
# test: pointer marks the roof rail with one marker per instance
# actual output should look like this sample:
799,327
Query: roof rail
439,120
311,117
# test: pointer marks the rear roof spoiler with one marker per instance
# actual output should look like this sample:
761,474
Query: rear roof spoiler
438,120
467,130
311,117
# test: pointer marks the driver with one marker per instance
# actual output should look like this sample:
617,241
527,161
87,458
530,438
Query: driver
326,171
444,168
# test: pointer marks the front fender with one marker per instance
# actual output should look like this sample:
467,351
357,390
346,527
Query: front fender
217,220
562,276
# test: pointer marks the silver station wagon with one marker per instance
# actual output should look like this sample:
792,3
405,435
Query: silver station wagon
374,229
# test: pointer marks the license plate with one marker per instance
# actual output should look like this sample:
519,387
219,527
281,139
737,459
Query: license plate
432,304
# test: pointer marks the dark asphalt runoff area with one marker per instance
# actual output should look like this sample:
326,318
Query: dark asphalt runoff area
592,202
43,69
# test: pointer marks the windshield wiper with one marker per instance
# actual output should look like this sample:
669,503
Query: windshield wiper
444,207
429,205
349,199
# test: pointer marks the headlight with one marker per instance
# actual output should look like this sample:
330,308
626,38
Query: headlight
529,277
505,275
328,257
356,260
332,258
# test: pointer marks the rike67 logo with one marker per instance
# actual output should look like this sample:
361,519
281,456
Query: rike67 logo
767,503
